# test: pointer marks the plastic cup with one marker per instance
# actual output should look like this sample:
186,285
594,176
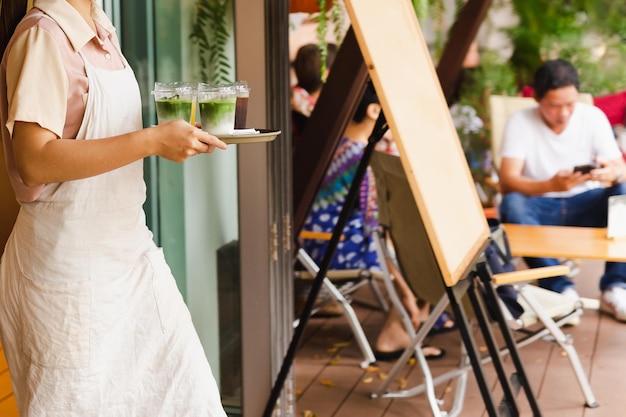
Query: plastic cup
241,108
217,108
174,100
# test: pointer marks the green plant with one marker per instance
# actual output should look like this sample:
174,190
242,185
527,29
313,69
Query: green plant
435,10
471,114
589,33
336,14
210,32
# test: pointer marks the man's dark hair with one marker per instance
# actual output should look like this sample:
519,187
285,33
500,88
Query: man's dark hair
555,74
307,65
369,97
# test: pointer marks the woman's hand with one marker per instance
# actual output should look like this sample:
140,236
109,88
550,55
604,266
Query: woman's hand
178,140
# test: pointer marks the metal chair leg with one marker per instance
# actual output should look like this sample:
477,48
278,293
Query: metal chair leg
353,320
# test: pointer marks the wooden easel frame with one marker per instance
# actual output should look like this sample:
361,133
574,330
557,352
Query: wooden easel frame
456,254
401,69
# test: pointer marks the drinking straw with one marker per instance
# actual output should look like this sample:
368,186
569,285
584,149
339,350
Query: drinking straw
192,119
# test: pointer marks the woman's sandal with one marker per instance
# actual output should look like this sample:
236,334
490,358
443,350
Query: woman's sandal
444,324
435,353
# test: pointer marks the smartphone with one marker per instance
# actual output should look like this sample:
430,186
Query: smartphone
585,169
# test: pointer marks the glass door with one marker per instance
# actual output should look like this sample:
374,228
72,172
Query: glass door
224,219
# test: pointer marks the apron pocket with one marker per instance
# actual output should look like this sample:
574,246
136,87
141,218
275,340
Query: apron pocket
55,319
169,302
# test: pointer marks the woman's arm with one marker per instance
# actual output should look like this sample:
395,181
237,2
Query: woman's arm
42,158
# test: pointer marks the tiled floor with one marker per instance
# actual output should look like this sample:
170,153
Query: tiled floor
330,383
7,401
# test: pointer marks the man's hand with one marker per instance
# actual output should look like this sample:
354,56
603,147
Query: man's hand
565,180
610,172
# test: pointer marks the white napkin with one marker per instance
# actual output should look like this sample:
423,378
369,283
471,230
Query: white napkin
244,132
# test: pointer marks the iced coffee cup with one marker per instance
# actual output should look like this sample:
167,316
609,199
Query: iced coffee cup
241,109
217,108
175,100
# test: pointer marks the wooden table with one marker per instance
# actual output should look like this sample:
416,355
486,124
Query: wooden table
564,242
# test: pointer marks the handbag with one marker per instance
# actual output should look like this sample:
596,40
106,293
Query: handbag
499,259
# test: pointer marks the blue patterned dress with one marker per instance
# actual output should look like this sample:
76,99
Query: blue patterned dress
356,250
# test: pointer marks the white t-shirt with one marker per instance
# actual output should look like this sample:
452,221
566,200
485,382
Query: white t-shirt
588,135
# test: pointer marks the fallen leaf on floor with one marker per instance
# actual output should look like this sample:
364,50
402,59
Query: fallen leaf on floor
332,350
563,354
298,392
342,344
327,382
482,349
402,382
309,413
372,368
368,380
412,361
448,389
382,376
334,360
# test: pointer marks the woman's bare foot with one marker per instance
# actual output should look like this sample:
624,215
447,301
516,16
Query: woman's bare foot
394,339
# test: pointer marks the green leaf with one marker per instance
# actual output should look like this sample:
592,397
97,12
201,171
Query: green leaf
210,33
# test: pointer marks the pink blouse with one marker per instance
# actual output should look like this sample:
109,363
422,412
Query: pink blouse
42,75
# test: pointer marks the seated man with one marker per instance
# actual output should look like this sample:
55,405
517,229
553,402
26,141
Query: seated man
541,147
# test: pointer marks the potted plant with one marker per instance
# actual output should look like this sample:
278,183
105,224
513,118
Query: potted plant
210,31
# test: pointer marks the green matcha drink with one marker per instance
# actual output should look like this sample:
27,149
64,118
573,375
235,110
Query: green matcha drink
217,108
218,116
174,100
173,109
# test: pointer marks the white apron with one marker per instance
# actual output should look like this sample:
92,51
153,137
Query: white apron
91,320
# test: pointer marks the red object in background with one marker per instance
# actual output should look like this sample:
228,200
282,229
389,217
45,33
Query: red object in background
527,91
613,105
307,6
490,212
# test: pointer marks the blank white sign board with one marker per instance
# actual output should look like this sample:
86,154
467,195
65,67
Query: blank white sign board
403,74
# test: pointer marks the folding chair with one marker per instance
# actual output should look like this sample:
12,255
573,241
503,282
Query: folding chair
400,218
347,281
501,108
340,285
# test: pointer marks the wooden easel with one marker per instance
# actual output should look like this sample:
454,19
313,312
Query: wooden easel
339,98
431,154
401,69
440,179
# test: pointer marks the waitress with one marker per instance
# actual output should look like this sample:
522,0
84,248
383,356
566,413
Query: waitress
91,320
